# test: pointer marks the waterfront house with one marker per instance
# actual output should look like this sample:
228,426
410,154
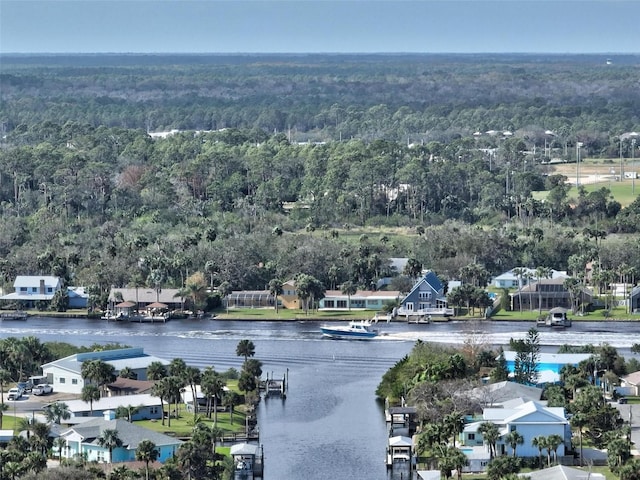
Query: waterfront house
289,296
82,441
521,276
32,289
78,297
361,300
142,298
548,293
65,373
427,297
531,419
143,406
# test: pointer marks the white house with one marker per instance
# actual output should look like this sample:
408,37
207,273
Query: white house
521,276
147,407
82,441
361,300
560,472
34,288
530,419
66,376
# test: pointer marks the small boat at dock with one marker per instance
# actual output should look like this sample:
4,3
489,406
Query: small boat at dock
354,331
557,318
17,315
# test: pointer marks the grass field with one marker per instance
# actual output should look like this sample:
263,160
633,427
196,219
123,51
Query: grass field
598,173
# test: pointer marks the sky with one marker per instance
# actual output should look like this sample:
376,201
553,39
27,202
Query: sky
319,26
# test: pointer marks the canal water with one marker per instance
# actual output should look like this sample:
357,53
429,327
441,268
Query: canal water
330,425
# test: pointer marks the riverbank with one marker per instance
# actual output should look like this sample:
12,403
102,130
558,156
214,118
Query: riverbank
284,315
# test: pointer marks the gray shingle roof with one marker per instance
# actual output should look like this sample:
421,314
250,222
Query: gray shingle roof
130,433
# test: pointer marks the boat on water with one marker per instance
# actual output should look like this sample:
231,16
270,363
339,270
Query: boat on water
17,315
355,330
557,318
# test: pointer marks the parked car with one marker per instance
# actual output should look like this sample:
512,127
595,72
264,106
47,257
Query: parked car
26,386
42,389
622,400
14,394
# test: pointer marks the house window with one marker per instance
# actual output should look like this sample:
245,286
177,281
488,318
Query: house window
100,456
329,304
424,295
34,289
62,380
472,436
153,410
484,464
74,381
49,289
341,304
24,289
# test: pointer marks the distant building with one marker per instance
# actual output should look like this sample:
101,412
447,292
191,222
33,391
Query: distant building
66,376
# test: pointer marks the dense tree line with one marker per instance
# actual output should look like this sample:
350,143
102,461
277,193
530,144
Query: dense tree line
100,203
423,97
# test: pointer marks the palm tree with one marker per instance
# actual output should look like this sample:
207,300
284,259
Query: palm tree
539,443
213,387
160,390
156,371
40,441
348,289
514,438
454,424
147,452
121,472
230,400
3,408
5,377
224,289
541,272
245,349
275,289
193,377
554,441
490,434
90,393
56,412
110,440
127,372
579,421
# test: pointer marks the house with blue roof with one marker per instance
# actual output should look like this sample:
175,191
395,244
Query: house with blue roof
427,297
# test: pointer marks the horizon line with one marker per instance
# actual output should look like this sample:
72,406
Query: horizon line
326,53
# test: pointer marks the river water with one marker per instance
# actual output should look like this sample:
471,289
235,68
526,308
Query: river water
330,425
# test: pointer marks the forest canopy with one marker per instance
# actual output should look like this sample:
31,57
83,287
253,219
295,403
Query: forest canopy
322,165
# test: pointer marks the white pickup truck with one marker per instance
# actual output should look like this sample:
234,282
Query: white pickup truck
42,389
14,394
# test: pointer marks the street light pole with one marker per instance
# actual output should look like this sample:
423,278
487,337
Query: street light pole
578,145
621,164
633,172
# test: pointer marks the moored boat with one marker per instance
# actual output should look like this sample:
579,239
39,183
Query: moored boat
17,315
355,330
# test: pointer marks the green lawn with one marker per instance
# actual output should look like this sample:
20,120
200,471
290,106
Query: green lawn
284,314
183,425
